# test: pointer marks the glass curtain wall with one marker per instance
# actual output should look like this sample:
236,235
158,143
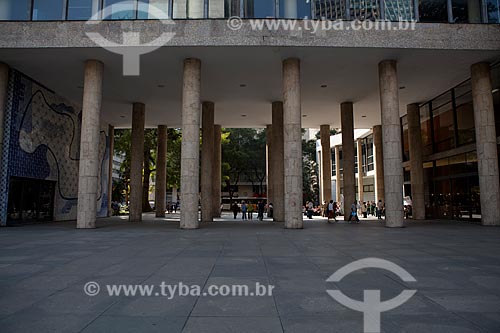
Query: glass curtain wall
82,9
15,10
47,10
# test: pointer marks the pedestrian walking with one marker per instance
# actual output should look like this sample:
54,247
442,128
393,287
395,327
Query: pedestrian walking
354,213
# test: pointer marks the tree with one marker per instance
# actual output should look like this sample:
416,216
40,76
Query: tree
122,146
243,157
310,170
174,158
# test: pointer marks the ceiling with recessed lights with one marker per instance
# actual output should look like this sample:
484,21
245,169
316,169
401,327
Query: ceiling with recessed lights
245,80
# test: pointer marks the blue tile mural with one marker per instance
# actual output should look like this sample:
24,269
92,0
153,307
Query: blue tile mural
44,144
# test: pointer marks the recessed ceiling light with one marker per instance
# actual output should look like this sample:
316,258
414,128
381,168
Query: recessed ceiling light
402,87
324,86
122,116
161,86
243,115
304,115
495,90
243,85
80,87
363,116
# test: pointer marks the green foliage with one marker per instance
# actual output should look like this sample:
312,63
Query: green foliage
243,156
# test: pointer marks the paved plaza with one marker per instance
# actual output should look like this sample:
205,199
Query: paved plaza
43,269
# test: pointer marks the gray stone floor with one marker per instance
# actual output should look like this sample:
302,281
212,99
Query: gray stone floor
43,269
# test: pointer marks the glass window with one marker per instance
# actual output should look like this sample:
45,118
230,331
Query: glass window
493,11
433,11
495,84
188,9
152,9
406,142
46,10
82,9
333,162
399,10
369,153
295,9
442,119
426,130
466,11
258,8
15,10
221,8
465,114
119,10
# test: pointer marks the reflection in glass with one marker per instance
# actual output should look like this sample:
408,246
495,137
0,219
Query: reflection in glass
82,9
15,10
466,11
399,10
425,126
221,8
188,9
46,10
442,119
295,9
152,9
119,10
258,8
433,11
493,11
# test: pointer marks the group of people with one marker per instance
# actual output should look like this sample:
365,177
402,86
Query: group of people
247,210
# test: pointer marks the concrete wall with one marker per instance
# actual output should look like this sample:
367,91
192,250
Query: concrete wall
43,143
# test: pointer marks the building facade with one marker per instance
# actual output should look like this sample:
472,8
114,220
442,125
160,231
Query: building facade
72,70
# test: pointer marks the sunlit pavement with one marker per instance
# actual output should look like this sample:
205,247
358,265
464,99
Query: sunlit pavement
43,269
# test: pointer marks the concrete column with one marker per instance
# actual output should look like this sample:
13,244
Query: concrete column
378,154
4,83
174,194
136,162
161,172
292,126
486,143
326,160
207,159
111,134
337,173
278,163
217,172
190,149
349,177
360,169
269,164
416,161
88,174
391,139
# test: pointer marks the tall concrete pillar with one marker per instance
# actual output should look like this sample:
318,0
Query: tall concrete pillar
111,134
486,143
278,162
217,172
360,170
326,160
378,154
292,127
4,82
337,174
269,164
136,162
190,148
349,177
88,174
207,160
161,172
416,161
391,139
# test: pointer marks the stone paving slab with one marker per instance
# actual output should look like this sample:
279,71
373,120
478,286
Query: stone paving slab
43,269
